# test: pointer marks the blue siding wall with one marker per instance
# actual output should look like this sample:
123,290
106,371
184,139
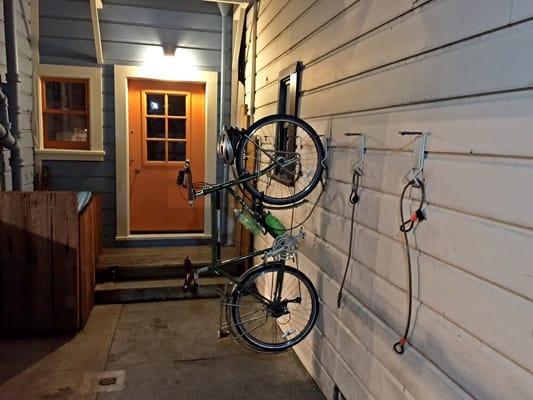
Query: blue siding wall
130,29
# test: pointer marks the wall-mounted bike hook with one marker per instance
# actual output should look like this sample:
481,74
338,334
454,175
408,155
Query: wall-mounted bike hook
358,168
326,143
419,155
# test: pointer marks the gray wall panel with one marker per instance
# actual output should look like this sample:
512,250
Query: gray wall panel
26,97
130,30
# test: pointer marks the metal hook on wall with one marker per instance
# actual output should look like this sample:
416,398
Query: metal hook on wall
358,168
419,155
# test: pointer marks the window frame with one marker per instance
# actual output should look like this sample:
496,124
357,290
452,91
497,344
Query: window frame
288,80
63,144
292,74
94,150
166,117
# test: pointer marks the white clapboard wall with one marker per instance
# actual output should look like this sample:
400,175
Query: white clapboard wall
461,70
25,97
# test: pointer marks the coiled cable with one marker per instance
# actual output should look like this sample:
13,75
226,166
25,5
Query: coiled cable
406,227
354,199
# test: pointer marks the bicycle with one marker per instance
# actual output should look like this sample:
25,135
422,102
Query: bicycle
279,160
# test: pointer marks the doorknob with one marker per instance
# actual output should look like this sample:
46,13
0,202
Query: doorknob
137,170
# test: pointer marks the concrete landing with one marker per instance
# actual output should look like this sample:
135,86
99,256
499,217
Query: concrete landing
149,351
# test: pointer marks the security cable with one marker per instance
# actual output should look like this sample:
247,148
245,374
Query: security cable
354,199
406,227
308,215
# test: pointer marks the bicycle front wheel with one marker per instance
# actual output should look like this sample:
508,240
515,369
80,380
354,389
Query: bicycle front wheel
292,153
273,323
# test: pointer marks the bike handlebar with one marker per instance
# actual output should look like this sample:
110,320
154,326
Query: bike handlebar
185,180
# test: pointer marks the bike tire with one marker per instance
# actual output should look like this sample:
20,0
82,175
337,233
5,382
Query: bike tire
240,159
248,337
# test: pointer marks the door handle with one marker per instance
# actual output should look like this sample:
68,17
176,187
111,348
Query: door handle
137,170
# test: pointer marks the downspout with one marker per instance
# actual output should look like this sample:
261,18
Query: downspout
224,12
254,56
10,112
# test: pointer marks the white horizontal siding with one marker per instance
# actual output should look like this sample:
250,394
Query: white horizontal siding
460,71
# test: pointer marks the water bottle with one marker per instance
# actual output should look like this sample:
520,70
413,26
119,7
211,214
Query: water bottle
248,221
275,224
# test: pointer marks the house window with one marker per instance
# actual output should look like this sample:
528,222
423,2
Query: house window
66,113
289,85
165,126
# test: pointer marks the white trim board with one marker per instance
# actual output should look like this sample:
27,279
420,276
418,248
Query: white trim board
96,141
162,236
122,74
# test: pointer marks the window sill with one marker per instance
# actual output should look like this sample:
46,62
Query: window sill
69,155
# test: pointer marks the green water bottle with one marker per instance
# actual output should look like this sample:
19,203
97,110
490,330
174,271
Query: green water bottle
248,221
275,224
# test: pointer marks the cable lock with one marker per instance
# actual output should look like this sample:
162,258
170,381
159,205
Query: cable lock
354,199
407,226
415,180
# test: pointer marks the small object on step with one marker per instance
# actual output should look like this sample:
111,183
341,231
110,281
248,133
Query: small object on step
222,333
113,273
191,280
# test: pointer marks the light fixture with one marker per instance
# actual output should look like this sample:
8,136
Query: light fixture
167,64
169,50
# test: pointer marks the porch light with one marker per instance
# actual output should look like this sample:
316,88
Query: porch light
167,62
169,50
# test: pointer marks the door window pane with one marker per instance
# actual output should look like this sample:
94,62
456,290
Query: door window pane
176,151
155,127
176,105
64,95
66,127
177,128
155,150
155,104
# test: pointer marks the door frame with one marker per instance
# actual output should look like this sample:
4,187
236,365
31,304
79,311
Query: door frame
122,74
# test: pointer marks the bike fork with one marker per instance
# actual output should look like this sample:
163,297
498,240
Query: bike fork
223,328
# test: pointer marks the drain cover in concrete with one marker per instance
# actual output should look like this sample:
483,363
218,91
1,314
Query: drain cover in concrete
105,381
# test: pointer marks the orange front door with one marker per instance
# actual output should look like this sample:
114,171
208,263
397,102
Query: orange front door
167,126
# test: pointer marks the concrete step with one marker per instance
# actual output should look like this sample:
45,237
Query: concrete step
155,290
122,264
121,273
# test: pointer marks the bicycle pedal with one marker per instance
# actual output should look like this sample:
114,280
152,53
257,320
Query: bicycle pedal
222,333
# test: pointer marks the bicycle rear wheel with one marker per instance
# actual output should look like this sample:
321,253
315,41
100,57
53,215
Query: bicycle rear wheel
283,322
293,147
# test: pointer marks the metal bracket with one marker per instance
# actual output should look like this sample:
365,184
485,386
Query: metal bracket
419,155
326,141
358,168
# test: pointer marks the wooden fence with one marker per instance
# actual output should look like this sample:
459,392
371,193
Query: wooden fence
47,262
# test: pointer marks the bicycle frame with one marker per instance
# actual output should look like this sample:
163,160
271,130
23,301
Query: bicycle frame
217,265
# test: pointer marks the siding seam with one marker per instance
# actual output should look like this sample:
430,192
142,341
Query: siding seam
387,327
332,19
273,18
415,297
425,102
421,252
412,57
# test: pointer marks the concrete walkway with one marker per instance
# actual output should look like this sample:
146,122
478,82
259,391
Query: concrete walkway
165,350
